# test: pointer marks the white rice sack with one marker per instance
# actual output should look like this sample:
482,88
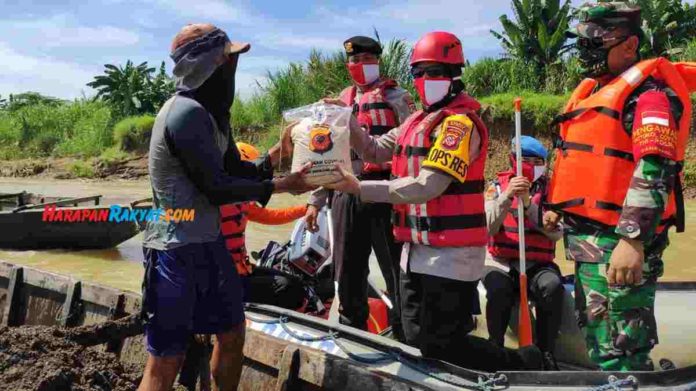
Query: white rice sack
322,137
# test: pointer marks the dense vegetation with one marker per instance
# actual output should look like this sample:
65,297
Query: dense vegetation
538,64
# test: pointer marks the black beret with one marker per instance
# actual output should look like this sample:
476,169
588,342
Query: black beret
360,44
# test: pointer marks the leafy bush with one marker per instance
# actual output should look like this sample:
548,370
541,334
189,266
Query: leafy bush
561,78
689,52
132,134
490,76
538,111
81,169
91,132
78,128
113,156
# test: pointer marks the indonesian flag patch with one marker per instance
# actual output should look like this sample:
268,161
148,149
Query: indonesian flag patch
654,132
655,118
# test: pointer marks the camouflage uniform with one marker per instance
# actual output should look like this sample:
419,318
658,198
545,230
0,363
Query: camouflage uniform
619,321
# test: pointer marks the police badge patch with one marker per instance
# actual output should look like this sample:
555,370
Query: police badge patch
320,139
454,134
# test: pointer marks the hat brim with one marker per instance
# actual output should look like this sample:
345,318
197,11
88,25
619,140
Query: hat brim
236,47
588,30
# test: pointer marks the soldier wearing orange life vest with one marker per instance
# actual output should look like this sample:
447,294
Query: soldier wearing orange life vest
438,156
616,181
502,263
379,105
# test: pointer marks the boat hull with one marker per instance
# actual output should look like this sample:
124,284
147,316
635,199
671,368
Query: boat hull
27,230
275,359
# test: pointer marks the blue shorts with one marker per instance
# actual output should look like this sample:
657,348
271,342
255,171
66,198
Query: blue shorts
193,289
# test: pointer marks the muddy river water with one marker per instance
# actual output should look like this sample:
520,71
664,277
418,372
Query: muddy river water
121,267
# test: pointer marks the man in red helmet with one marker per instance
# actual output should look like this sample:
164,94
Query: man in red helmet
379,105
438,156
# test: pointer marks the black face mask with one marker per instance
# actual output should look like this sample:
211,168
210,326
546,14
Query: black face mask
594,61
216,94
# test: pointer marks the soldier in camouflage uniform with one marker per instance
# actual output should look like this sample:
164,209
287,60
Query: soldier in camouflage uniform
617,265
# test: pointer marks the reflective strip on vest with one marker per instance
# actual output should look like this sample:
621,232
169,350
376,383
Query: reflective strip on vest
505,243
373,112
456,218
233,225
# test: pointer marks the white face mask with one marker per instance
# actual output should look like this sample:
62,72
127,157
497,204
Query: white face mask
538,172
371,72
432,90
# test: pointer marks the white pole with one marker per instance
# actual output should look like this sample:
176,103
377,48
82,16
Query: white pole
520,202
334,315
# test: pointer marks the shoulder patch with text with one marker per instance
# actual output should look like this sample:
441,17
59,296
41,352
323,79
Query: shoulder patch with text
450,151
654,129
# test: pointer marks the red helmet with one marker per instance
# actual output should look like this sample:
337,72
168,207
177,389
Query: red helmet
438,46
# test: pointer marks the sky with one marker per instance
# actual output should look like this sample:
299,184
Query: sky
55,47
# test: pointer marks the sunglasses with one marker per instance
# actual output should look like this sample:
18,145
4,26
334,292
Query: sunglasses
432,71
598,42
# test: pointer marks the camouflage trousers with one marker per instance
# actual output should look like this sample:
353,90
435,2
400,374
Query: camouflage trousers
618,321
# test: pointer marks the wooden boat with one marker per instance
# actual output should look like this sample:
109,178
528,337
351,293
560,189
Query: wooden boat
285,350
23,226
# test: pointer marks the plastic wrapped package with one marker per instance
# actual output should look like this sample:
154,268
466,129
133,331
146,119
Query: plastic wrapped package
321,136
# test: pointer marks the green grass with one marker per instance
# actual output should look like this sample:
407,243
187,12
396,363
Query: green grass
132,134
79,128
538,111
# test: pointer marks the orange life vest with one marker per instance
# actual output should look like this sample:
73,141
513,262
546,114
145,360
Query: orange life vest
505,243
594,164
457,217
373,113
233,224
234,219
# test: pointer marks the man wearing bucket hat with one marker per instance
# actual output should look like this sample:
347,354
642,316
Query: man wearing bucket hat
190,286
616,181
379,105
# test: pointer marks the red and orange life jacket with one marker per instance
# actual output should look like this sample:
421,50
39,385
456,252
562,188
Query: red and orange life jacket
594,164
233,225
373,113
456,218
505,243
234,219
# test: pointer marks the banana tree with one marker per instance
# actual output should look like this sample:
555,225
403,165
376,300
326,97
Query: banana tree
126,88
668,25
538,32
